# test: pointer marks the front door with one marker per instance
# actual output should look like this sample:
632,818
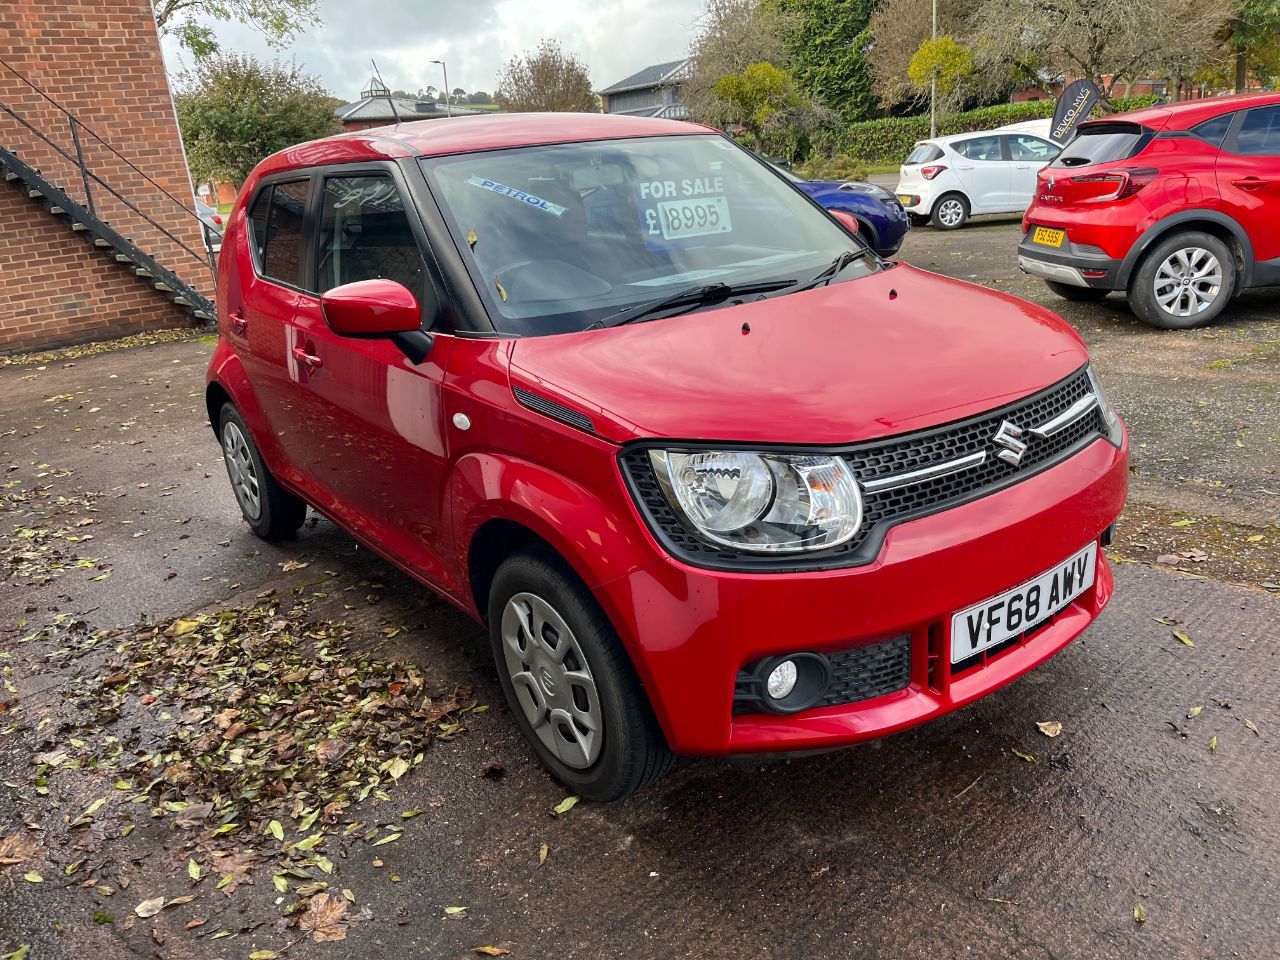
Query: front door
376,438
1027,156
1248,173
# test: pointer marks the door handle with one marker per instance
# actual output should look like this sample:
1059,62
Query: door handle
238,322
310,359
1249,183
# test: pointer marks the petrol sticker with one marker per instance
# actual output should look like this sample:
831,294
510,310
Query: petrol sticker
534,201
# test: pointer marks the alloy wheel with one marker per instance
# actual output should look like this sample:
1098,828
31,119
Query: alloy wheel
552,681
241,470
951,212
1188,282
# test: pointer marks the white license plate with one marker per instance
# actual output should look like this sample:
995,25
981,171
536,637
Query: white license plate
1008,614
693,218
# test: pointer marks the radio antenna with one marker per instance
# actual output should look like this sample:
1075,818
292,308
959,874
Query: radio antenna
390,99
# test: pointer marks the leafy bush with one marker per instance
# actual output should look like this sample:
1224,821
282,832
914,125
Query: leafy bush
843,167
889,140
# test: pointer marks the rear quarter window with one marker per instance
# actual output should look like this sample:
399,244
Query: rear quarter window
1104,143
924,153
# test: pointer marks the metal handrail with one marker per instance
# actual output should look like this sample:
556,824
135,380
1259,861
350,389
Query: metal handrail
76,121
85,172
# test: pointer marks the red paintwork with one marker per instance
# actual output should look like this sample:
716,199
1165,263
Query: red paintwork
847,220
370,307
1192,175
369,440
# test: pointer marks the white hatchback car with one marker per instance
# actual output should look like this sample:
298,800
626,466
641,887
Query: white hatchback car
949,179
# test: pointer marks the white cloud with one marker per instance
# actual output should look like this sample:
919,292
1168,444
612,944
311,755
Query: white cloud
614,38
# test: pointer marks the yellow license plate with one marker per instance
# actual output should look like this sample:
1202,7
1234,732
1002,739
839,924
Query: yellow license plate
1048,237
905,199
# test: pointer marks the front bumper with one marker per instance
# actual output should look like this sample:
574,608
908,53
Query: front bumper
1075,264
691,630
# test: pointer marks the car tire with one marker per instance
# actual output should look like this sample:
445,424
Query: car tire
1068,291
562,666
272,512
951,212
1174,286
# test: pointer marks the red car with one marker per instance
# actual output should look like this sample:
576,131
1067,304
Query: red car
716,477
1177,205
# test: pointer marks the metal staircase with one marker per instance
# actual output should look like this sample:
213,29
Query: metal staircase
80,213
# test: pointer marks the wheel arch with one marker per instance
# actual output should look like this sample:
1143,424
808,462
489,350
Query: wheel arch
1212,222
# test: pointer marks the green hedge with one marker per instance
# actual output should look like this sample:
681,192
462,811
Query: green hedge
889,140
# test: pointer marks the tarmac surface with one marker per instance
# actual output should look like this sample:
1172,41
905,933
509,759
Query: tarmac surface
1138,831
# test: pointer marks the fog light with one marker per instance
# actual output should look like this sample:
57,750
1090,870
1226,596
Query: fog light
782,680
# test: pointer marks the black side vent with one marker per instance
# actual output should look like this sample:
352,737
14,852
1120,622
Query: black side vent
556,411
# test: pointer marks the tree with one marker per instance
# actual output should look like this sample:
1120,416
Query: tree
1249,38
899,28
278,20
732,35
827,43
546,79
480,96
234,111
1106,41
951,63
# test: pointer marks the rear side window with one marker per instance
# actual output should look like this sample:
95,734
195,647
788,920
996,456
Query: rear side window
365,234
279,239
979,148
1259,134
924,153
258,224
1103,143
1214,131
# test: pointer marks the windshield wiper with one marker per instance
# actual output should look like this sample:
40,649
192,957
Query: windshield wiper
831,270
699,296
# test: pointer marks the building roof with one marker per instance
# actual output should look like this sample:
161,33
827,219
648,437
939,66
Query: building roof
489,131
666,111
654,76
379,108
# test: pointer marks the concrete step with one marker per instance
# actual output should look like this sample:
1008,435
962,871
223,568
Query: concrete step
164,287
100,242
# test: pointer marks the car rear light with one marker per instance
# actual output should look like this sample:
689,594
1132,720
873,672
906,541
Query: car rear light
1126,181
932,170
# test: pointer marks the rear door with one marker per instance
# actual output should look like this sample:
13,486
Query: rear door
985,173
1027,156
1248,174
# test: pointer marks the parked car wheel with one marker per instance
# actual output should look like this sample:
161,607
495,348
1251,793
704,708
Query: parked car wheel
1185,281
271,511
569,683
1068,291
951,212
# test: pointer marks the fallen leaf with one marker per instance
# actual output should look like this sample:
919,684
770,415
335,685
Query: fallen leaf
149,908
265,955
1050,728
389,838
325,918
16,847
543,852
565,805
1194,712
329,752
194,870
1184,638
455,911
1025,756
1251,725
397,767
276,829
1213,744
33,877
1139,913
1186,522
491,951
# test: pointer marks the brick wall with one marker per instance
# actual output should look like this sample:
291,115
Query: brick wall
100,60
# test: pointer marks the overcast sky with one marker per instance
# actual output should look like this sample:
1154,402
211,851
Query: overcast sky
614,38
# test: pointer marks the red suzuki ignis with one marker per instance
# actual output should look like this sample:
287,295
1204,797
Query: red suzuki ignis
716,477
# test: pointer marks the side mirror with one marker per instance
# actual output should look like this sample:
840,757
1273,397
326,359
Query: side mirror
847,220
371,308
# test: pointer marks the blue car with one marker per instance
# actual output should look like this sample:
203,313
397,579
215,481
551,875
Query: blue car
881,220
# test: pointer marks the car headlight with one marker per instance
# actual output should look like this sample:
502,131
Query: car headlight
1109,416
761,502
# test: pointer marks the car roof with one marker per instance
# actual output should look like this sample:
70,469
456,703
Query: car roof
431,138
1187,113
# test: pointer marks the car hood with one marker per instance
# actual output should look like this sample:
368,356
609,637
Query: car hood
895,351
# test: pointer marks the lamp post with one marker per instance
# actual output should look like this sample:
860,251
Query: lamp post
448,105
933,80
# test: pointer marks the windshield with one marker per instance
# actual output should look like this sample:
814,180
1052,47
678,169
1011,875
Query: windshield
559,237
1103,143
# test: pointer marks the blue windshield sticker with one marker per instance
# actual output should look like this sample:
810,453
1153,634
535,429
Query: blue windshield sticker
533,201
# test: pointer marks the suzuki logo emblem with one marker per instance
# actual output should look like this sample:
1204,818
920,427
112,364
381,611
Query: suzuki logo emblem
1009,438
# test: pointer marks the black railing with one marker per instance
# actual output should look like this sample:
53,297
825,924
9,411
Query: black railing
74,155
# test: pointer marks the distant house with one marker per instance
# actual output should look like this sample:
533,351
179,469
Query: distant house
374,109
656,91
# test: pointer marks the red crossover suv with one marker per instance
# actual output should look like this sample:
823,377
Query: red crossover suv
1177,205
716,477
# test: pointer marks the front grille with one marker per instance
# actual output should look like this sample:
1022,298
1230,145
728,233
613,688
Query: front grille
862,673
882,458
